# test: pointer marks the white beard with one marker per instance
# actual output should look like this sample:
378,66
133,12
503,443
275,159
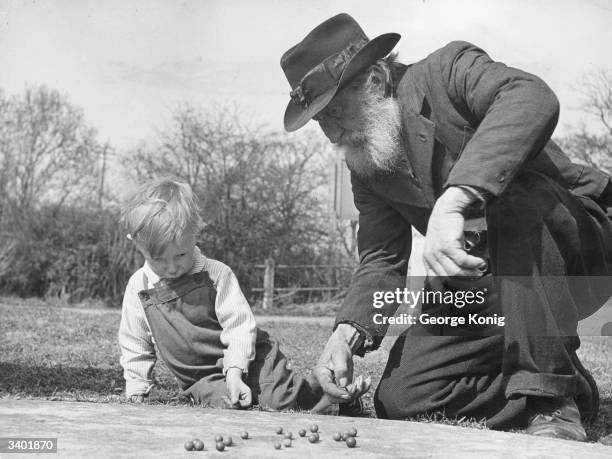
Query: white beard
375,149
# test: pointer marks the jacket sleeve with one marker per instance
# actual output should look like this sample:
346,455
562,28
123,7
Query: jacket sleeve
515,114
580,179
384,240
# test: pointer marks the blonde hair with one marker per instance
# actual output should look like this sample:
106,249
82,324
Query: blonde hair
159,213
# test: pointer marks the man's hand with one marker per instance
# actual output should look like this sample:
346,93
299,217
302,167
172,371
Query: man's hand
444,254
239,393
334,370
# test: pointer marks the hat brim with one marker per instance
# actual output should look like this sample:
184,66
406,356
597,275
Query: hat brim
297,116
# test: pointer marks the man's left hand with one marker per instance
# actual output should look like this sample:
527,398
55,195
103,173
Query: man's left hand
444,254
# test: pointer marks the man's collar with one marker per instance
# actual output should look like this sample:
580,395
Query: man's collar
410,94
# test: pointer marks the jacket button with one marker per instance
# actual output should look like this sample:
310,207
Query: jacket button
501,177
422,137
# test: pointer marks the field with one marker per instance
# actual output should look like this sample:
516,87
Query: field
55,353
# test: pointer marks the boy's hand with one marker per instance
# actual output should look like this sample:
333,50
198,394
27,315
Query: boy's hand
136,398
239,393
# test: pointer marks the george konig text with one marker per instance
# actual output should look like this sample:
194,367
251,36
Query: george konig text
452,321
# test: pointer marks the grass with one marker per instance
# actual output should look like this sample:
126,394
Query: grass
320,309
55,353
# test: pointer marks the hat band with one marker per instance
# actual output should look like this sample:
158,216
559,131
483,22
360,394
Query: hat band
324,76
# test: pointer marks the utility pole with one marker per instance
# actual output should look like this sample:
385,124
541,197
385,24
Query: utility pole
102,175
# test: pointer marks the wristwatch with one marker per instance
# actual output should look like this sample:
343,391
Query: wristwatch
359,342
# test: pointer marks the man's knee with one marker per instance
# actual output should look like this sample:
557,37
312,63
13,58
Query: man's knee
400,400
385,403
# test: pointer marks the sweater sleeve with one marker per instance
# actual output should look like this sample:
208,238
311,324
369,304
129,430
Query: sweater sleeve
136,343
236,319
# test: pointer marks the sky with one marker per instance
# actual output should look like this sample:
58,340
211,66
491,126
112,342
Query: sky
129,63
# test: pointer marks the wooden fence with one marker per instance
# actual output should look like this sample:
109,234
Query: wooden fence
270,270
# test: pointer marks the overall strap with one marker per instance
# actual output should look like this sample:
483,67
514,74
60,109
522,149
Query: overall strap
174,289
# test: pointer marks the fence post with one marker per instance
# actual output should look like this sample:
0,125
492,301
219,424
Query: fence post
268,297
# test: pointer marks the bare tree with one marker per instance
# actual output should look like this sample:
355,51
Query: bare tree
594,146
47,151
48,179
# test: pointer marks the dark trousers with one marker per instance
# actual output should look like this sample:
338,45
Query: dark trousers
550,256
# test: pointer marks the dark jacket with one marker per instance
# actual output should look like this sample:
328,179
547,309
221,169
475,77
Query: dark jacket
467,121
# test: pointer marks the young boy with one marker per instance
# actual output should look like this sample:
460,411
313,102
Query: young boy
192,310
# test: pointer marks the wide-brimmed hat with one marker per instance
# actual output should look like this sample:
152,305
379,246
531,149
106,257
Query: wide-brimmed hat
324,61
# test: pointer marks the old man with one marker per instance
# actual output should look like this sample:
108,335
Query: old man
458,146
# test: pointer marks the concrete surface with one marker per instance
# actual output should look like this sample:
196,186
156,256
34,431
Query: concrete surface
89,430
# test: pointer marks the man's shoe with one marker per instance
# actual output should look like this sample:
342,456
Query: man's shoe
555,418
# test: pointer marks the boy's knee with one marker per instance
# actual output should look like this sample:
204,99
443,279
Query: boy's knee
276,398
208,391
